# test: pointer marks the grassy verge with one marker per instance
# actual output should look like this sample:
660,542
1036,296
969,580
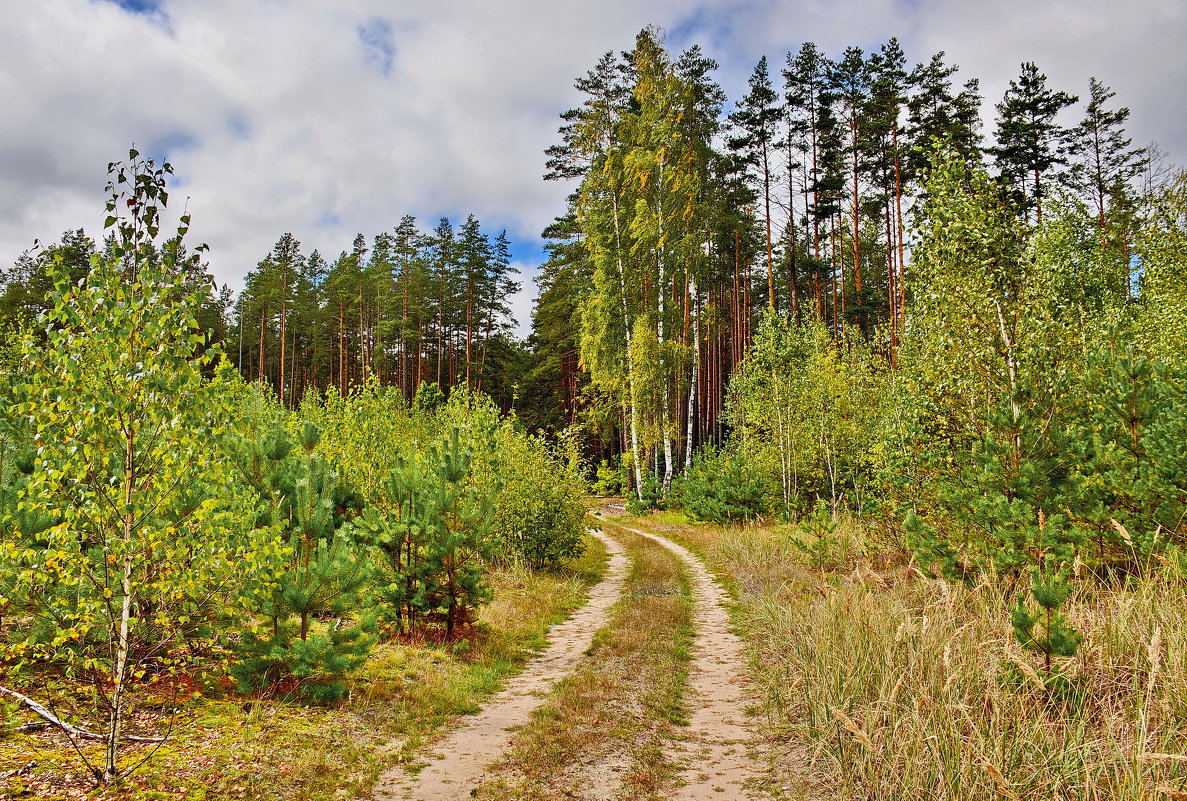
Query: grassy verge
245,748
603,732
889,685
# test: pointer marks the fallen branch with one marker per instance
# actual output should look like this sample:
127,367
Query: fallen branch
19,771
76,731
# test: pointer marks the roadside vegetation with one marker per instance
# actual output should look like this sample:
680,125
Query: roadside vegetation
202,590
223,745
878,681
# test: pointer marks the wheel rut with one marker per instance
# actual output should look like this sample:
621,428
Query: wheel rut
457,763
714,755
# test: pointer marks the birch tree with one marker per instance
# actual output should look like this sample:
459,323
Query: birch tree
149,542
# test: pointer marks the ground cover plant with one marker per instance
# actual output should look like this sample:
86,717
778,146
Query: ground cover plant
223,745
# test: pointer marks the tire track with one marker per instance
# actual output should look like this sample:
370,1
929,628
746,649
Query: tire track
714,755
457,763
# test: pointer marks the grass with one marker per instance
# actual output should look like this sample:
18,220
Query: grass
606,725
233,747
887,684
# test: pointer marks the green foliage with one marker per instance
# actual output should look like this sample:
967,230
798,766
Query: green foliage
1161,250
648,495
1046,630
149,541
721,488
428,397
1086,464
821,527
534,487
301,496
609,479
435,540
808,415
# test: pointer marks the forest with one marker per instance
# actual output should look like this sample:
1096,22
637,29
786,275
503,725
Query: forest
906,386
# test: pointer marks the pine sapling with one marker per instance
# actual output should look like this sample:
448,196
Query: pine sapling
1046,630
822,526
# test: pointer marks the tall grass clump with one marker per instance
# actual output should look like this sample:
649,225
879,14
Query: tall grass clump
903,686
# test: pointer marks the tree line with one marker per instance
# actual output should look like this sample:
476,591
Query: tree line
407,308
688,222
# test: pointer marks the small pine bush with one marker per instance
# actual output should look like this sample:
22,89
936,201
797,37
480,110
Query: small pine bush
721,488
1046,630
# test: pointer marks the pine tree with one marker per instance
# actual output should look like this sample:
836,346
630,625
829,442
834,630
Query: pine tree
809,101
474,258
1104,166
755,125
1046,631
302,497
28,285
936,114
851,84
1029,141
287,263
435,539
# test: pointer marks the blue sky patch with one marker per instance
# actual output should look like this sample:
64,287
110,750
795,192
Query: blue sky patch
379,46
238,125
147,7
165,147
151,10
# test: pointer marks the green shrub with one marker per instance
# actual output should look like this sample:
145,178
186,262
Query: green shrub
720,488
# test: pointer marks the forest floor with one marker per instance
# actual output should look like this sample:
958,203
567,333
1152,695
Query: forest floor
225,746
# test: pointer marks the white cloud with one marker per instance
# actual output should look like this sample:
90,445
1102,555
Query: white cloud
327,119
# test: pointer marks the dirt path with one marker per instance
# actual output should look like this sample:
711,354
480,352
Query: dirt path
457,763
714,755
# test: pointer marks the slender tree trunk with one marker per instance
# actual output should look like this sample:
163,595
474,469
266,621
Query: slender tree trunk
283,335
693,375
120,668
793,279
342,348
898,214
263,317
469,328
630,372
1038,200
856,210
766,179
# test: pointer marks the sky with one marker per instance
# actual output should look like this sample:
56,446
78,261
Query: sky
331,118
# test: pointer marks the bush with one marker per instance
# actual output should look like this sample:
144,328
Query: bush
609,480
720,488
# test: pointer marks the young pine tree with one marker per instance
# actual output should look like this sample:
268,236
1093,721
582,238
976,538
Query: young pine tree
297,650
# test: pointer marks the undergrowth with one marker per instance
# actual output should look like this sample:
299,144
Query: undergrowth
225,746
889,684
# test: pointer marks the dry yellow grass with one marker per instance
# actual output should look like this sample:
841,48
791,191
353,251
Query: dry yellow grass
895,685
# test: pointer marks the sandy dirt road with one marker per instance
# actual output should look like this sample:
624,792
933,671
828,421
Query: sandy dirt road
713,750
714,753
457,762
